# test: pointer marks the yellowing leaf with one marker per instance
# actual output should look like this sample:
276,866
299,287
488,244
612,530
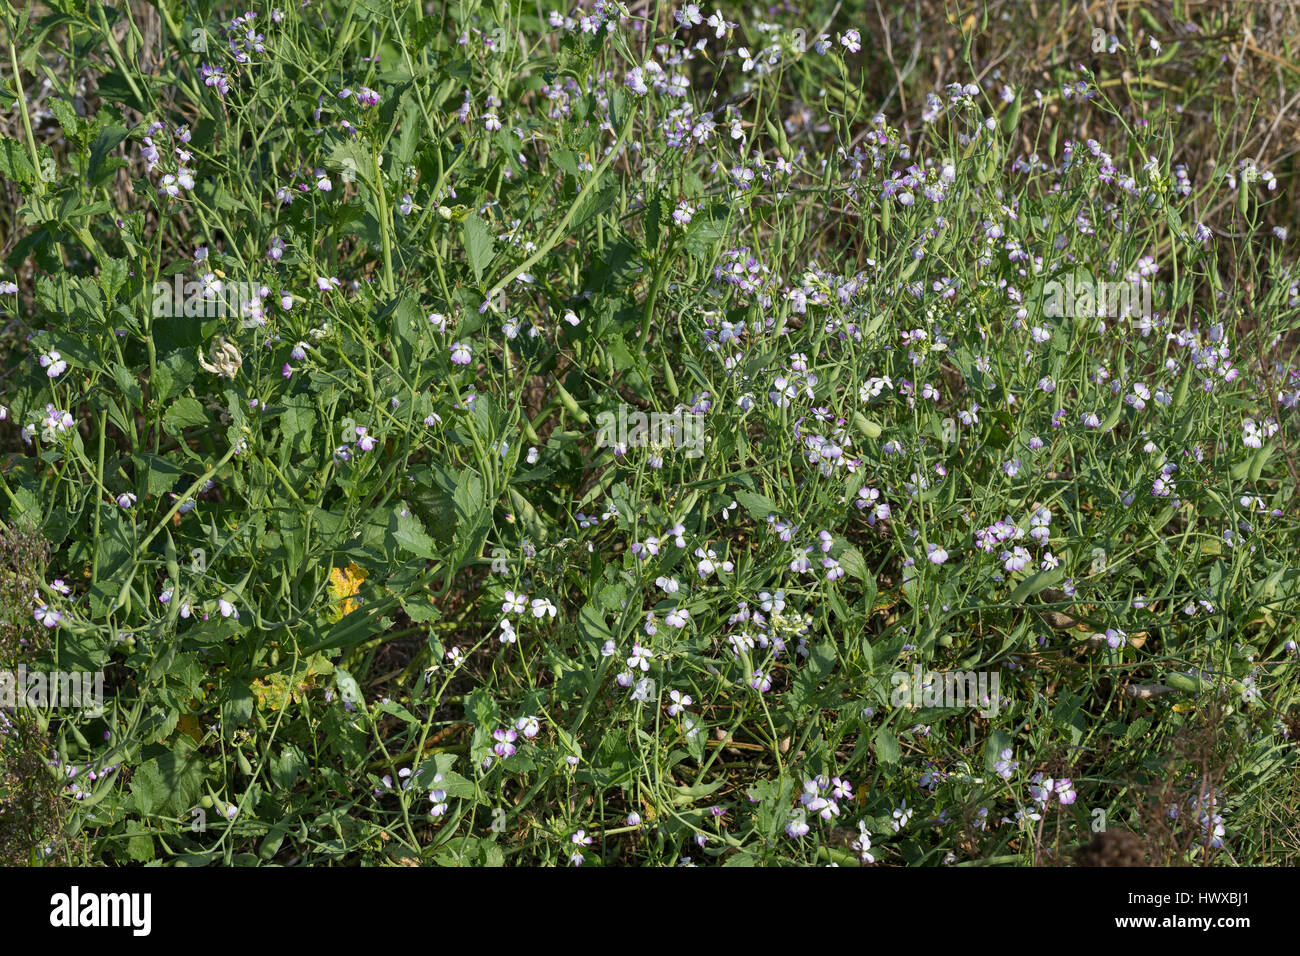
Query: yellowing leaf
345,583
272,691
189,724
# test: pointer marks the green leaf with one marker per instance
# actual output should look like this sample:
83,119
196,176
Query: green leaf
999,740
821,660
349,689
758,506
886,746
296,424
112,277
1035,583
566,159
237,709
410,534
107,141
160,474
289,766
478,245
170,781
593,627
15,165
174,373
140,848
684,796
851,560
596,202
126,384
183,413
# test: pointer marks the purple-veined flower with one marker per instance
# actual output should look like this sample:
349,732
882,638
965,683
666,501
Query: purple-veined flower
505,738
641,657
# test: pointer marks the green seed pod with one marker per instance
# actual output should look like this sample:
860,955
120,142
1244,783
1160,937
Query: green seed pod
1186,683
571,404
1012,117
1113,418
866,426
1257,463
1180,393
669,378
169,554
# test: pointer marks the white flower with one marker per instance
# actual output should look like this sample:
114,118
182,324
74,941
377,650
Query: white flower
679,703
528,726
515,603
709,562
508,635
689,16
641,657
901,816
53,364
635,81
543,607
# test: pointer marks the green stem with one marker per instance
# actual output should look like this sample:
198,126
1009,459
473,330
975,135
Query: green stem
558,233
22,109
